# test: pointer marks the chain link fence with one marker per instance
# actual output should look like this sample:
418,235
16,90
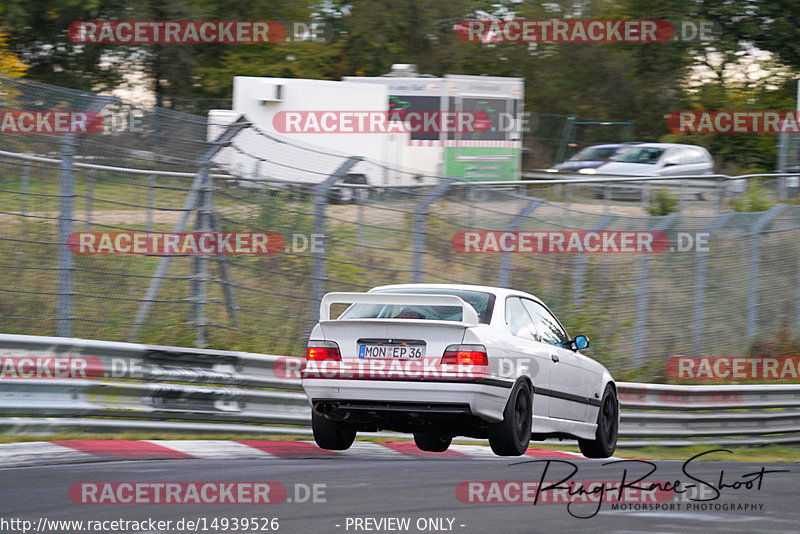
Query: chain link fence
169,172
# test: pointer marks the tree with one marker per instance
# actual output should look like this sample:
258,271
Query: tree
37,33
10,64
772,25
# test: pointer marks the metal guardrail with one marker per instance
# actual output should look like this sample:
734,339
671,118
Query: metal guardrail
131,386
127,386
672,415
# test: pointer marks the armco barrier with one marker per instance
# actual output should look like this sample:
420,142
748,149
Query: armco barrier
138,387
131,386
658,414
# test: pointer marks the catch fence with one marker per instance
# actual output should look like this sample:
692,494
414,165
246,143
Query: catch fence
737,281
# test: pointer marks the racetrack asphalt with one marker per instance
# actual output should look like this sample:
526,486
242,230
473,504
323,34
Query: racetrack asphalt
378,488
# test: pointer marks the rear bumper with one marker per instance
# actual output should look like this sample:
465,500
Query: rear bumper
485,399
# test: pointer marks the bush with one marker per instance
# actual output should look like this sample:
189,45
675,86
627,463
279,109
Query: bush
662,203
756,199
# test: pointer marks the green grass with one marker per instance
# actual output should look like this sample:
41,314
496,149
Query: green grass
108,191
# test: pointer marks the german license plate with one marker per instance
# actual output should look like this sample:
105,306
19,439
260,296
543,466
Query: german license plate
402,352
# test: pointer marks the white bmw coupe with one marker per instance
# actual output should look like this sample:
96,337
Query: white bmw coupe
445,360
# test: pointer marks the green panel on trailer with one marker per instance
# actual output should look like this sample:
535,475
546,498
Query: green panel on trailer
478,164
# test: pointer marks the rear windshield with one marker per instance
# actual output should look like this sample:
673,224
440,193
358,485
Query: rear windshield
482,302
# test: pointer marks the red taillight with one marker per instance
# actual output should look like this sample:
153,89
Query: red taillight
323,350
465,355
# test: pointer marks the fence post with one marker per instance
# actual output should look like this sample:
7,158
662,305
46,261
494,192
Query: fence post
420,216
578,277
562,146
782,189
151,200
783,148
66,215
26,174
752,293
318,267
65,218
722,186
700,288
199,281
190,204
640,321
513,226
89,199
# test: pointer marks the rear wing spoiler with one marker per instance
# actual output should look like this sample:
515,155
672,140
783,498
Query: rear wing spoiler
468,314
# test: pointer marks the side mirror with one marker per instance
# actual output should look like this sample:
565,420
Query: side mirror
670,161
580,342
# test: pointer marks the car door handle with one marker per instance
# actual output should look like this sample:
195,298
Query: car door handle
554,357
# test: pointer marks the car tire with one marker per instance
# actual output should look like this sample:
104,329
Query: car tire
432,441
332,435
605,442
511,436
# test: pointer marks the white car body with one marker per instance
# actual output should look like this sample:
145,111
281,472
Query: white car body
567,386
674,160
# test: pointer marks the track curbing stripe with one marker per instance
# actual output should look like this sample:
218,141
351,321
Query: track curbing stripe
214,450
81,451
40,453
123,449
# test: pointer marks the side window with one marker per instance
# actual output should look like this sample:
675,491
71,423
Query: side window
518,320
549,329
